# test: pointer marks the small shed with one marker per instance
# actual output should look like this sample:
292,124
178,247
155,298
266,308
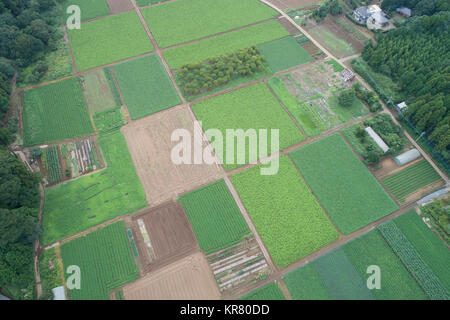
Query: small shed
404,11
59,293
401,107
407,157
347,75
380,142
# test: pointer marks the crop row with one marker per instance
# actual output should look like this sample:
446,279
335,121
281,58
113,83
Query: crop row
410,179
413,261
52,163
105,261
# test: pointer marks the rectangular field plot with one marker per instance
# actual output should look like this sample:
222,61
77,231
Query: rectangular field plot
397,283
182,21
288,218
76,205
270,291
239,265
412,260
310,95
108,120
163,235
349,193
149,141
89,8
187,279
105,260
283,54
55,112
412,178
100,91
145,86
342,274
108,40
252,107
432,250
214,216
224,44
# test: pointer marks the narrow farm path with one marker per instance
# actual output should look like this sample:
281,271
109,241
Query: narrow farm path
385,108
36,246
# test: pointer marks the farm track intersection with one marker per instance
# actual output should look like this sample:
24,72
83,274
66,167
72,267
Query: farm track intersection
277,275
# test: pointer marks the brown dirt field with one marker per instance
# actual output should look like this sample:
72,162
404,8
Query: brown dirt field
187,279
119,6
341,34
170,234
313,50
391,167
289,26
150,145
286,4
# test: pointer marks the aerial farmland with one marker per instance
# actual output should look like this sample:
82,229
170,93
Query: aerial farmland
143,195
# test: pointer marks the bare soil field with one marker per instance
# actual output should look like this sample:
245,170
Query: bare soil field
150,145
119,6
289,26
163,235
238,265
286,4
187,279
389,166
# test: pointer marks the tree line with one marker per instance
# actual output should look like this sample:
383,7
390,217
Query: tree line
416,56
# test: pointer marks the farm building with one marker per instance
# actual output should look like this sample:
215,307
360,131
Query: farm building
347,75
377,139
362,14
401,107
377,20
406,12
59,293
407,157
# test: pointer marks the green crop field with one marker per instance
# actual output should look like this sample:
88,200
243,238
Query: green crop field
214,216
288,218
252,107
428,245
52,164
224,44
108,40
413,261
304,284
396,283
76,205
417,176
181,21
145,86
342,273
55,112
270,291
108,120
100,90
300,110
349,193
283,54
89,8
142,3
105,261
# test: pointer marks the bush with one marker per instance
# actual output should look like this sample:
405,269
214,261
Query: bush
203,76
346,98
6,69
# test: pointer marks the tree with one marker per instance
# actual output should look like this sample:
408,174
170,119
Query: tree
346,98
